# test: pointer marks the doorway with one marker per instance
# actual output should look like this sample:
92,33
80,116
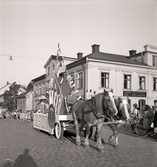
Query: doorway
141,104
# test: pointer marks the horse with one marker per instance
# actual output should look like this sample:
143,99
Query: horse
90,114
123,114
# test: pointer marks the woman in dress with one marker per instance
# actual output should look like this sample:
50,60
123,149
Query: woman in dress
147,119
134,118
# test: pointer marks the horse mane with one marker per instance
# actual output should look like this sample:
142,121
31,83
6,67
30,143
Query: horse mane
97,102
117,102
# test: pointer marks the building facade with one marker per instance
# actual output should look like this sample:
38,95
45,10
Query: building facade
134,76
39,89
21,103
50,66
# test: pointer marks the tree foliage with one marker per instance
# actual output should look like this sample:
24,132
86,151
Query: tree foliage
10,97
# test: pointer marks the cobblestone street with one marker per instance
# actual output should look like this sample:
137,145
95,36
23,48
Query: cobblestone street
20,142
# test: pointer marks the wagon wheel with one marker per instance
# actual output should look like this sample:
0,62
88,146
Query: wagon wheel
59,131
51,116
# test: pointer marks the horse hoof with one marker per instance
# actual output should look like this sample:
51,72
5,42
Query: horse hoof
110,141
101,149
78,143
116,145
85,146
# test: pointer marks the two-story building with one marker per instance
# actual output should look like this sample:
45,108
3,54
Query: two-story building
39,89
21,102
133,76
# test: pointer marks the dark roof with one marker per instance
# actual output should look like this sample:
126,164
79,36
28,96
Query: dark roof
39,78
114,58
76,63
106,57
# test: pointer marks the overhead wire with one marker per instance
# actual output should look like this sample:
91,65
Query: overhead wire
11,57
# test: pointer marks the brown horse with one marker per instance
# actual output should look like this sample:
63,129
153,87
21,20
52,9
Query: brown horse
87,113
123,114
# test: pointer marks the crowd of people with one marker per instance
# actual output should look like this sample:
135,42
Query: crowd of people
145,119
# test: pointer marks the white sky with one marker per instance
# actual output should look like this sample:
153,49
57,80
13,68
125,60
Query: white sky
31,28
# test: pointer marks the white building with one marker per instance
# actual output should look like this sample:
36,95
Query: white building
133,76
51,64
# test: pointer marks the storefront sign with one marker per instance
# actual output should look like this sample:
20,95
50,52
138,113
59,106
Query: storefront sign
134,94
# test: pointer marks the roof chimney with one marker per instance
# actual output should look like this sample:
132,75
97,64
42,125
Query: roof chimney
95,48
132,52
79,55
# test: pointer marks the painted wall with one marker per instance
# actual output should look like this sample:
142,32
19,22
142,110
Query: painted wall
29,101
21,104
116,79
37,93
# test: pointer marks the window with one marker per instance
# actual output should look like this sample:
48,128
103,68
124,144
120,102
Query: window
155,83
53,67
154,60
141,104
48,71
127,81
36,89
72,77
43,89
79,80
40,91
142,83
104,79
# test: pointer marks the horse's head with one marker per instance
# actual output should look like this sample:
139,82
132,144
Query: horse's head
109,103
123,108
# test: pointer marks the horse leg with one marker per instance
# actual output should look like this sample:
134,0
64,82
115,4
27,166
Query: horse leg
91,132
86,142
82,126
78,139
99,137
116,132
96,136
112,138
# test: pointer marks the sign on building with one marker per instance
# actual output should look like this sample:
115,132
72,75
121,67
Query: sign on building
134,94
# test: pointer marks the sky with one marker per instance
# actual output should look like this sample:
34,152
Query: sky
31,29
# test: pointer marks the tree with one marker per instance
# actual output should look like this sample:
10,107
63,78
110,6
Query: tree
10,97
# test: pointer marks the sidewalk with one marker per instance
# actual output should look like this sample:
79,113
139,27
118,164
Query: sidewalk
127,130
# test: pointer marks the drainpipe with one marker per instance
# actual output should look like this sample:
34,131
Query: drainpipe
86,77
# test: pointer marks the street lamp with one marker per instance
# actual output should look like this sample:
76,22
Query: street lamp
11,59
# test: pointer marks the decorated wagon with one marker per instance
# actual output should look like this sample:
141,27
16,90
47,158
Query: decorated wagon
54,112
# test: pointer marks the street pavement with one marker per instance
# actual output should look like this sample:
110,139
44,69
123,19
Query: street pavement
23,146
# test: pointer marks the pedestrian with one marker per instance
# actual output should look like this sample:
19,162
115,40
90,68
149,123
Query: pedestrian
147,120
94,93
89,95
134,119
155,118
